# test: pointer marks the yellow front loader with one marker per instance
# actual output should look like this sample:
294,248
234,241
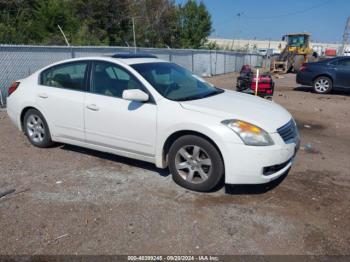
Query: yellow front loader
296,52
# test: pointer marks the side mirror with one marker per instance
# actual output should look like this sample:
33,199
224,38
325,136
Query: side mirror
135,95
284,38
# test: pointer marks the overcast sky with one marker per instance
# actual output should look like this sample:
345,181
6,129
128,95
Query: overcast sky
264,19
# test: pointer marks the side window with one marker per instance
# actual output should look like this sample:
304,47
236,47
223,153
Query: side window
121,74
70,76
111,80
344,62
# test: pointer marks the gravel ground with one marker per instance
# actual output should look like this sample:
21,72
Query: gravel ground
70,200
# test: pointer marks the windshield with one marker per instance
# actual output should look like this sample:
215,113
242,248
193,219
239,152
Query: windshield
296,41
174,82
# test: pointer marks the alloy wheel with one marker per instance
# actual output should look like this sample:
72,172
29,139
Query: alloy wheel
193,164
322,85
35,128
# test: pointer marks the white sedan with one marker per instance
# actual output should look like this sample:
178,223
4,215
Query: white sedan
144,108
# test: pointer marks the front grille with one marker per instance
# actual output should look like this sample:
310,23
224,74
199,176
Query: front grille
289,132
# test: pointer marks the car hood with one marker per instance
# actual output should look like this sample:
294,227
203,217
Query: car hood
233,105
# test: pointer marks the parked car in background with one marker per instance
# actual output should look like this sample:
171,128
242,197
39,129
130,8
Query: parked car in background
326,75
144,108
262,52
268,52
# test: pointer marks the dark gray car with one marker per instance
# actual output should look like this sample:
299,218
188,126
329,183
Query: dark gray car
326,75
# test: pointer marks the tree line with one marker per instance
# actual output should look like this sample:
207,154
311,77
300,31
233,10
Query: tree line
158,23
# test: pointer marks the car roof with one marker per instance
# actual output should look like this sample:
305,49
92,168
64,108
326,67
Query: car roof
336,58
132,61
136,58
133,55
127,60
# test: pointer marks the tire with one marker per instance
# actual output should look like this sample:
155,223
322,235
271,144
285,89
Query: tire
322,85
36,129
195,163
273,58
298,62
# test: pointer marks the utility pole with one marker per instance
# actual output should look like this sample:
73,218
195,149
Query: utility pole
238,25
345,37
134,33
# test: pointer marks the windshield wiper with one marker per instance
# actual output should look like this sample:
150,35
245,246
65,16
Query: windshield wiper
217,91
200,96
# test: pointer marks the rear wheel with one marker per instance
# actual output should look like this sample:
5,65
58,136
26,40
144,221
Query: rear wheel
195,163
36,129
323,85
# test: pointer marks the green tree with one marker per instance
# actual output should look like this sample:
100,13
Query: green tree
84,36
48,14
106,21
15,21
157,23
196,24
212,45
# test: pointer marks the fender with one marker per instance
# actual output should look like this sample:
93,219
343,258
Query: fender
27,105
219,136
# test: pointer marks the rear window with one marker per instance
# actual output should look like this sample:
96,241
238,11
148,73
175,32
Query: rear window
68,76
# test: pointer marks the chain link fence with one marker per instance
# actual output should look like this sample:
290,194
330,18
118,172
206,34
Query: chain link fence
18,62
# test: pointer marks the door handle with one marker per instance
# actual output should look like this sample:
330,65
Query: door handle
43,95
93,107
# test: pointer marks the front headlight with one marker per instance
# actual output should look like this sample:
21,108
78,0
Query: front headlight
250,134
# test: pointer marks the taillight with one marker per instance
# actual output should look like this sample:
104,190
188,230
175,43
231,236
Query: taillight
303,68
13,88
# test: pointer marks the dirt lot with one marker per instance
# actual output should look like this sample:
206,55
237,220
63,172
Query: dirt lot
70,200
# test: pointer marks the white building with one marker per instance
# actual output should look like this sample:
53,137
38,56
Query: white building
249,44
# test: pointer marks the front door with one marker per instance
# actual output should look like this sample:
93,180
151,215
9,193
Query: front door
343,73
113,122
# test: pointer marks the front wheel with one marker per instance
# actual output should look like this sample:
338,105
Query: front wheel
195,163
323,85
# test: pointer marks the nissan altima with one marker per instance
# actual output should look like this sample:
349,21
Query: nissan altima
141,107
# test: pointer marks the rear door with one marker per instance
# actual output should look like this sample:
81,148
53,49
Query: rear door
343,73
60,98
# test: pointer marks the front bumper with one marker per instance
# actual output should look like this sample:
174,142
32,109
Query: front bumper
258,165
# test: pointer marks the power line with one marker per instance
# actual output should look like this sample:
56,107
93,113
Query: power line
290,13
243,15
